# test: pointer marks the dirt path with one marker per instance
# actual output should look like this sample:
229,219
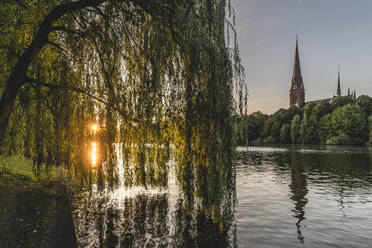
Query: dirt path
63,233
36,214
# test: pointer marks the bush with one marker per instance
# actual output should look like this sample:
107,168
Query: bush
285,134
257,142
349,120
365,103
269,140
342,139
370,130
324,127
340,101
295,129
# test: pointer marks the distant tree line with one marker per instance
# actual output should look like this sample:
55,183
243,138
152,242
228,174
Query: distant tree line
344,121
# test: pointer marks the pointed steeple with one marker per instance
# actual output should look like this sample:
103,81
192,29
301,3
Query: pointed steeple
297,76
354,97
348,92
297,91
338,83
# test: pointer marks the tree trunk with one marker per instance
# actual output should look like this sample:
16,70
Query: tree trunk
6,106
18,75
15,81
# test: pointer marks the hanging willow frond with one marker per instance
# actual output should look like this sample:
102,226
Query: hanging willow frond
159,76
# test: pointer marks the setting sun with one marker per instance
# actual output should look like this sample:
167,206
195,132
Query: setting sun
94,128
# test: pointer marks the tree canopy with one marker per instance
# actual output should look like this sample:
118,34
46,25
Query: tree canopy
343,121
158,77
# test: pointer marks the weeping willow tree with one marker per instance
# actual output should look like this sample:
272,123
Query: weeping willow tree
158,76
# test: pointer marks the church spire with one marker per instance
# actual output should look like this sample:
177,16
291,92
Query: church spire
297,76
338,83
297,91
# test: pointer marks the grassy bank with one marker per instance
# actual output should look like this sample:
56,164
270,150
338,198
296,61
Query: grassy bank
18,172
27,204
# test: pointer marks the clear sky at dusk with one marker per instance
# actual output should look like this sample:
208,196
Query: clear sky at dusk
331,32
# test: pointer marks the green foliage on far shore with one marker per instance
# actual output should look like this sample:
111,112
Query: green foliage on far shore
344,121
370,130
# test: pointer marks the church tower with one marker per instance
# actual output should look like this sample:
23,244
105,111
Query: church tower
297,91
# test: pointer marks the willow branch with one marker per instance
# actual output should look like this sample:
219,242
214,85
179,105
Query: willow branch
46,101
65,30
56,45
82,91
20,3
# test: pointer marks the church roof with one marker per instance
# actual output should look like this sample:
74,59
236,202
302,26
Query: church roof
318,101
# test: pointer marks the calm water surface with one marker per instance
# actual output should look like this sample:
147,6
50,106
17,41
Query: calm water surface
286,197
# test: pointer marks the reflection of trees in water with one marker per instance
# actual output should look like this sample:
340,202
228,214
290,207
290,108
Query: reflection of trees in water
285,163
146,221
344,172
340,172
204,214
134,222
344,169
204,226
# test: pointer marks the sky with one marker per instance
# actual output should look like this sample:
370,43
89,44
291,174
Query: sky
331,32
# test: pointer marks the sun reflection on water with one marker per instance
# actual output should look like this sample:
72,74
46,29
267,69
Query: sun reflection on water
94,154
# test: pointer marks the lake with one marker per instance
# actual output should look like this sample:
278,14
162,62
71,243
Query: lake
285,196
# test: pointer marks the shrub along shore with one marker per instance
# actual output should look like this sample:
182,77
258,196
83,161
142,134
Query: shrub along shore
344,121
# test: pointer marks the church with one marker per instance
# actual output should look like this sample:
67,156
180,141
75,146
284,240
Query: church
297,91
